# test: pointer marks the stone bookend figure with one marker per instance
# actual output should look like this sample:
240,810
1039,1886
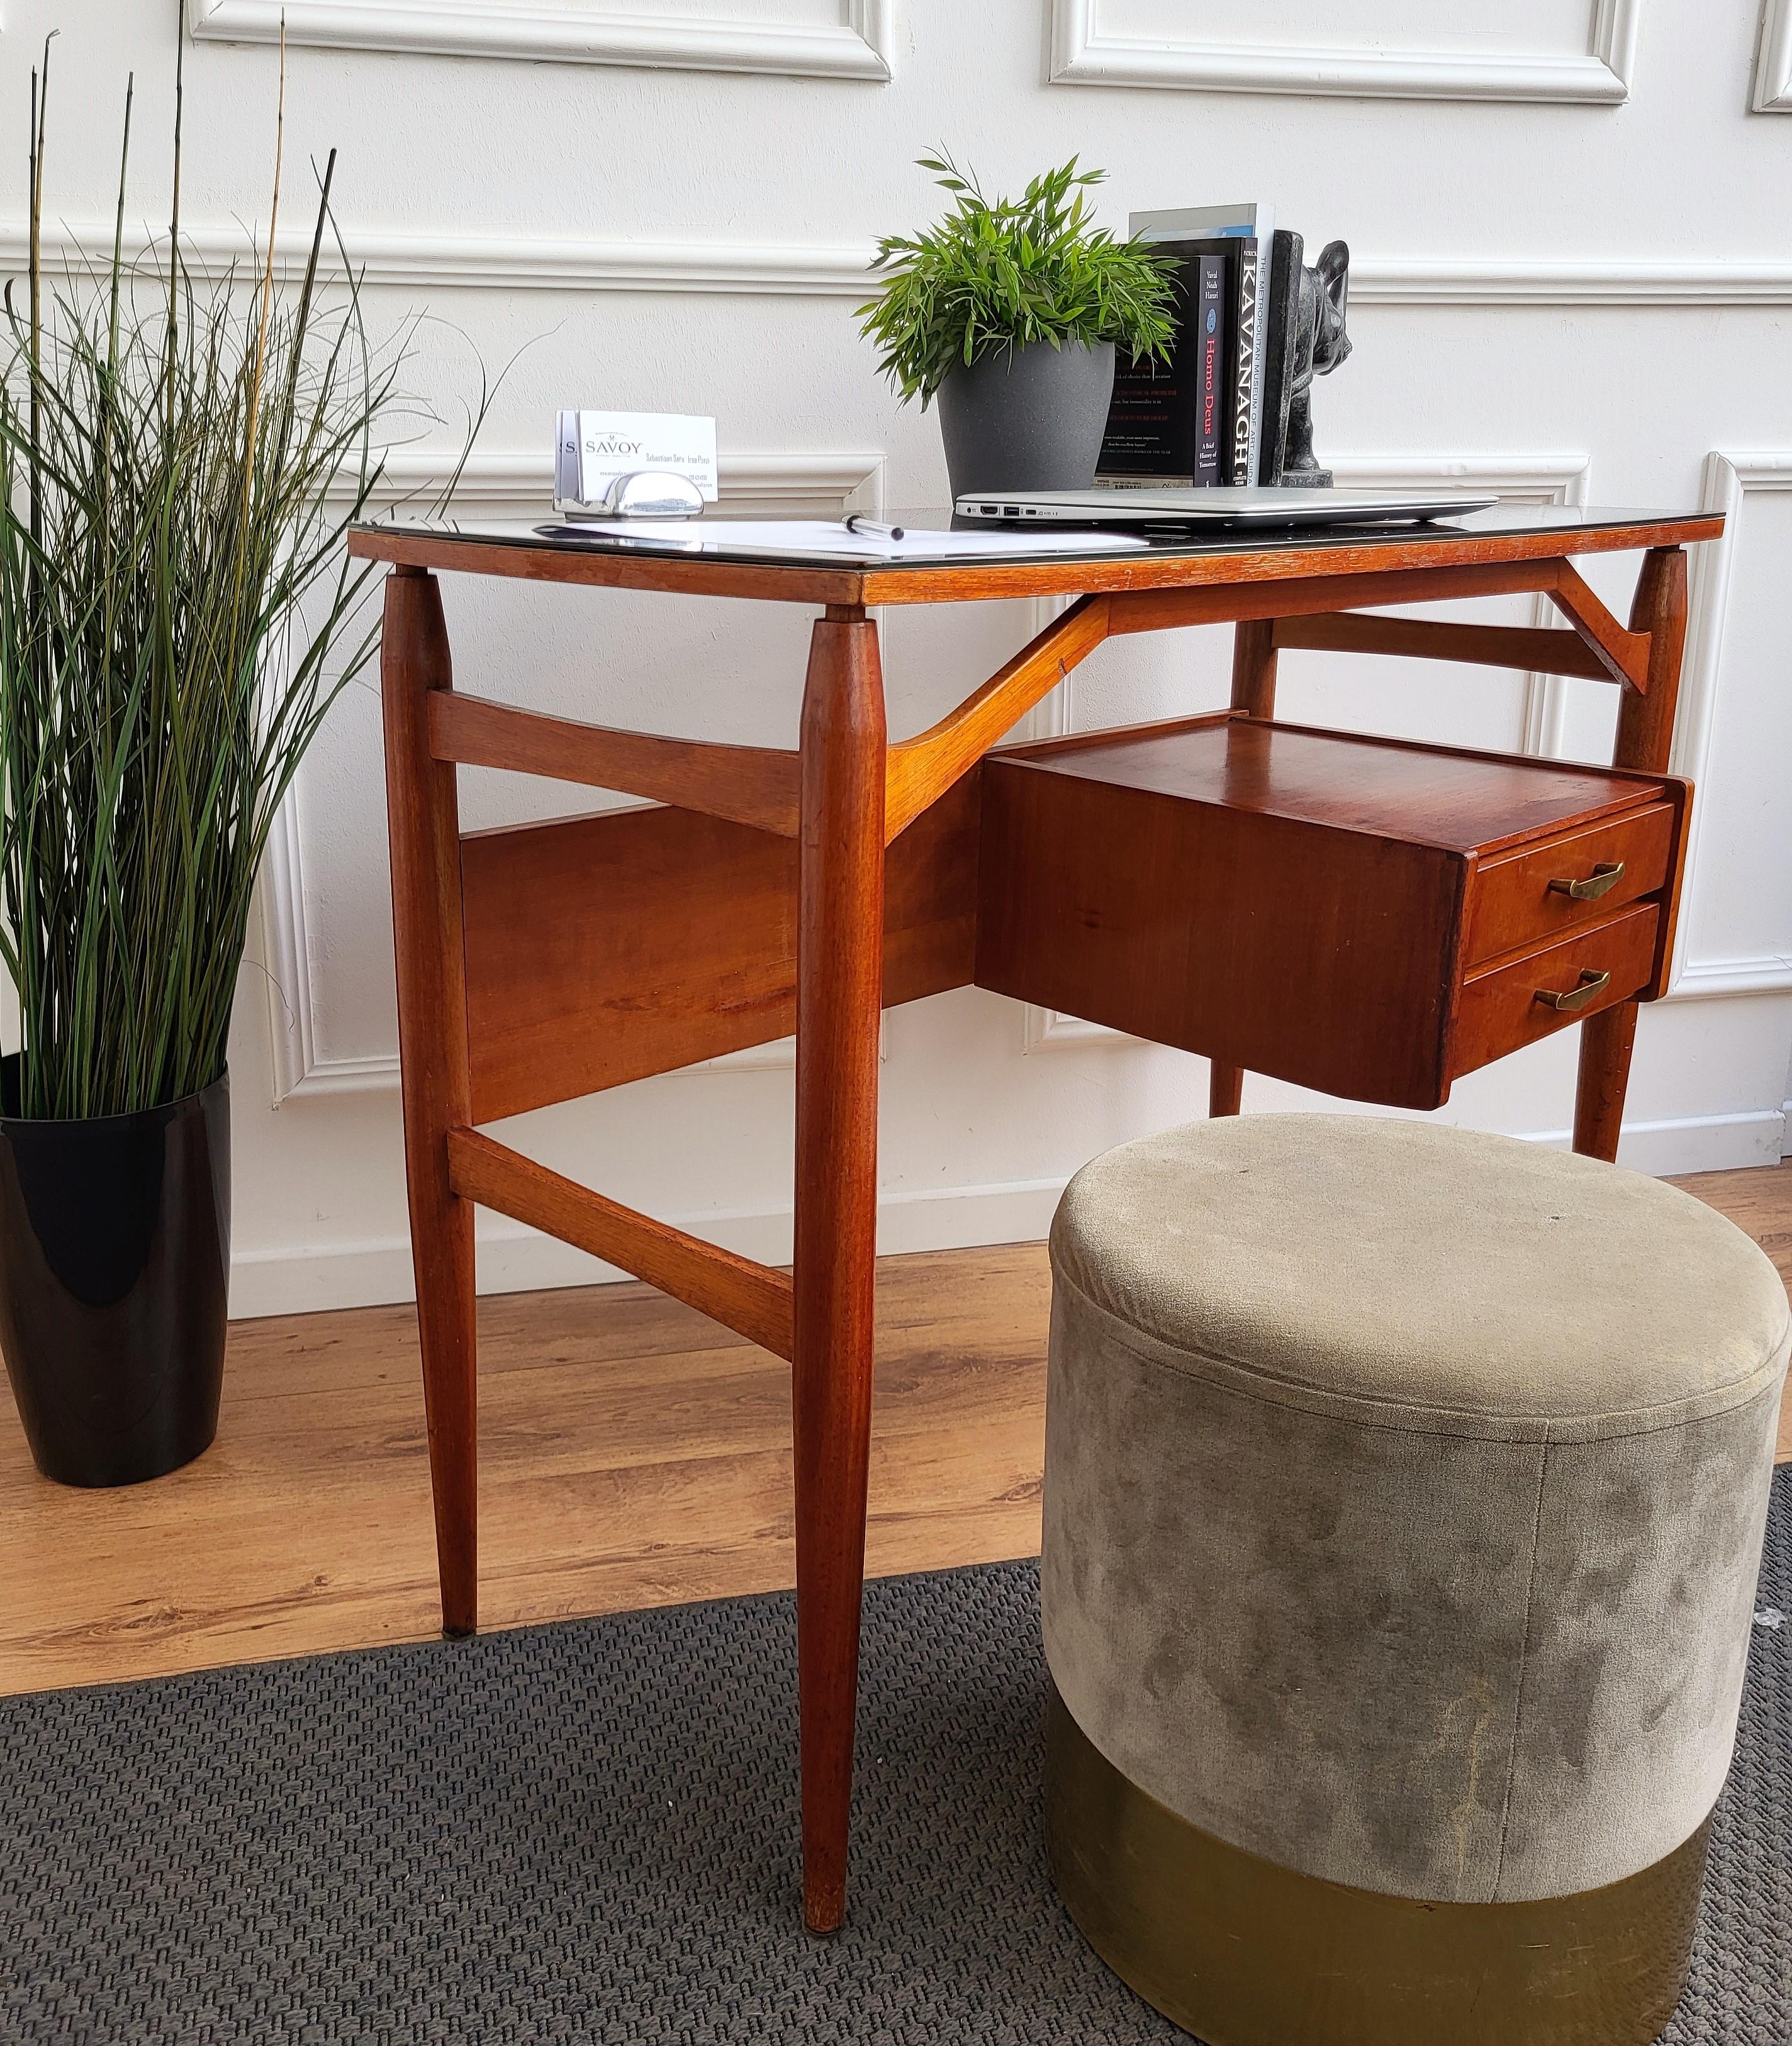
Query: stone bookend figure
1311,342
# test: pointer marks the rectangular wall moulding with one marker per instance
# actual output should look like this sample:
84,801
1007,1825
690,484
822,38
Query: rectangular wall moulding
1732,477
1110,42
1773,59
848,39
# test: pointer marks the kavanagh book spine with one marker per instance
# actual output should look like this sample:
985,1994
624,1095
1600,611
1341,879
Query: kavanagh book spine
1242,439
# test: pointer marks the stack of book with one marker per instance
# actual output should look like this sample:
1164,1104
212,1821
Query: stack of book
1217,413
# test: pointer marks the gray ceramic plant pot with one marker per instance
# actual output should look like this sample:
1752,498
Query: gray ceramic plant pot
1027,418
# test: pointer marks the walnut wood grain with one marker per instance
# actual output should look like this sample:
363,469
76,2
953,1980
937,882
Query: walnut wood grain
1156,610
1226,1087
752,1299
749,784
604,949
423,829
1602,1080
1535,650
839,975
1623,655
963,582
1645,737
1423,548
1511,904
1289,900
1499,1012
1228,928
1646,720
922,768
1644,741
1452,797
1254,695
685,575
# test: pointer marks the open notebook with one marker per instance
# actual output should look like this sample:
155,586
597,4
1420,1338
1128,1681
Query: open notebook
808,537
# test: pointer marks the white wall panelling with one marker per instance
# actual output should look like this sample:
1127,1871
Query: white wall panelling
655,228
1089,46
452,262
855,43
1773,58
1732,477
507,487
1603,280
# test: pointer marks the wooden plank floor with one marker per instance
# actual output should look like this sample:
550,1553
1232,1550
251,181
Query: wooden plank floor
634,1454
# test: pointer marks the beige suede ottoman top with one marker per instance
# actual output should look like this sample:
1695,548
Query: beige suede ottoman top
1454,1275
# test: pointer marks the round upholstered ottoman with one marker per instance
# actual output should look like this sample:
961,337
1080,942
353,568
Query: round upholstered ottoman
1404,1495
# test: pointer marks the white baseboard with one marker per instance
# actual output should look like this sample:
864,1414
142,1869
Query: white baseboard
512,1258
515,1259
1694,1143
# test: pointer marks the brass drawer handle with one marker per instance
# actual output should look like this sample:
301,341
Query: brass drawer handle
1591,983
1603,879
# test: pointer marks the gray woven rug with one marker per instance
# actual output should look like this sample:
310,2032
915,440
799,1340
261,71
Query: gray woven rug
587,1832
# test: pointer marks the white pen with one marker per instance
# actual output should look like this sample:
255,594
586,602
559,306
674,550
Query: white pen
856,522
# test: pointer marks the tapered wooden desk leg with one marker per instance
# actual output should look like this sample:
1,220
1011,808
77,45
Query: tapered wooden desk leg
1253,692
1606,1040
1253,666
839,949
1645,741
423,821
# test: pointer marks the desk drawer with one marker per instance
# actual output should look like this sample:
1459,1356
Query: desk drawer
1500,1011
1510,903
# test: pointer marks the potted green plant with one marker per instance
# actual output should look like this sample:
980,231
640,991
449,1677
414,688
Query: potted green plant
1011,310
178,463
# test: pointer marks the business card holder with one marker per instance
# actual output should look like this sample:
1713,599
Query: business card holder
640,493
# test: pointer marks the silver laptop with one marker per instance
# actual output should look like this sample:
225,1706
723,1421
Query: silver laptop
1123,504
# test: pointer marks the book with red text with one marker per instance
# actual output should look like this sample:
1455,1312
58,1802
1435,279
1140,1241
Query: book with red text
1173,422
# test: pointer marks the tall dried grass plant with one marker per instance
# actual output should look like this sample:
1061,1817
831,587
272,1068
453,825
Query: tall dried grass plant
179,462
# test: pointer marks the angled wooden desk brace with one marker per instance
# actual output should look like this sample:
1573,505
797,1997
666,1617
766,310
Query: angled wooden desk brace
811,888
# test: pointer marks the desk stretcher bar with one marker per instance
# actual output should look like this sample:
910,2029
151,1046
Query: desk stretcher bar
758,786
752,1299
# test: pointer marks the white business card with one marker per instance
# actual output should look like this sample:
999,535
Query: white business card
593,449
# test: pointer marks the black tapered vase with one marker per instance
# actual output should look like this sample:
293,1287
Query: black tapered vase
114,1273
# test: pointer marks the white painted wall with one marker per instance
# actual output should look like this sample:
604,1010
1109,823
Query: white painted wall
1573,279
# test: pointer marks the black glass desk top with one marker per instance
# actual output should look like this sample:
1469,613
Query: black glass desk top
674,536
661,555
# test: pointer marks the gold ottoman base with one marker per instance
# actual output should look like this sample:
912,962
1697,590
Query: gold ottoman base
1243,1953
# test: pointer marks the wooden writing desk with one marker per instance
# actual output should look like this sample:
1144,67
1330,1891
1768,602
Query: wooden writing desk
812,889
